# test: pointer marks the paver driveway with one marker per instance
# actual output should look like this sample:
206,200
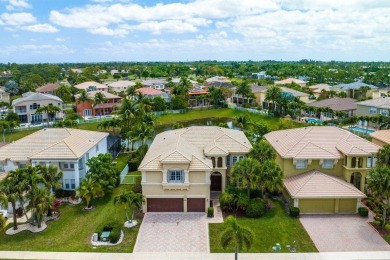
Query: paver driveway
342,233
173,232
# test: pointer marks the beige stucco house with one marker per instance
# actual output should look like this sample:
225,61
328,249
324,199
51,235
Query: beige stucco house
325,168
183,166
290,81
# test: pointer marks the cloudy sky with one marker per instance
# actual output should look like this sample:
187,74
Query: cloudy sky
172,30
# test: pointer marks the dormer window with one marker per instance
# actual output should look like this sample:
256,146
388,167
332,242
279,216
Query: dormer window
175,176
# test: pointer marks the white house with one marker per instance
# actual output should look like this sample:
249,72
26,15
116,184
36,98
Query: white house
67,149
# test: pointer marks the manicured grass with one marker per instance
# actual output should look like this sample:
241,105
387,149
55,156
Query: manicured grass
122,160
275,227
73,230
131,177
387,238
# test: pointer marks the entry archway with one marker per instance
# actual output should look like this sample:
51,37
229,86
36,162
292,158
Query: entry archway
216,181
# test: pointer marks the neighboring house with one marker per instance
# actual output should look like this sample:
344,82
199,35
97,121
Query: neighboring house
218,79
182,167
373,107
177,81
381,137
4,96
325,168
66,148
346,105
353,89
381,92
150,92
77,71
113,72
48,88
263,75
319,88
290,81
120,85
158,84
197,97
6,74
27,105
91,86
88,108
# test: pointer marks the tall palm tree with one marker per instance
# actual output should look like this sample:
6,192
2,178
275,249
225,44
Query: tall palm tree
32,182
378,182
271,177
242,121
50,111
98,100
246,173
234,233
41,202
273,95
143,132
82,98
383,155
51,176
129,200
244,89
262,151
89,189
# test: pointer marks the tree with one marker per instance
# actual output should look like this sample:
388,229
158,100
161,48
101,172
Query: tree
284,123
103,171
98,100
51,176
234,233
179,102
64,92
129,200
159,104
271,177
378,182
143,132
262,151
363,91
11,87
342,94
273,95
4,203
50,110
82,98
90,188
42,201
12,117
242,121
383,156
3,223
216,96
244,89
245,174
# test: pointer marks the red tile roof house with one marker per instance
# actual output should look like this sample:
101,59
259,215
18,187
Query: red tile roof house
150,92
196,97
87,108
48,88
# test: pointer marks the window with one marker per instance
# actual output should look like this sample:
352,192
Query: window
219,162
81,164
235,158
87,156
176,176
373,110
97,148
227,161
73,184
67,184
369,162
35,106
87,112
1,167
301,164
241,157
384,112
327,164
68,166
21,165
373,161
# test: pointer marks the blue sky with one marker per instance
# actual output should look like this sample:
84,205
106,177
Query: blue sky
106,30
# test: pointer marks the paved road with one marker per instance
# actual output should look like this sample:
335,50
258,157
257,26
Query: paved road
336,233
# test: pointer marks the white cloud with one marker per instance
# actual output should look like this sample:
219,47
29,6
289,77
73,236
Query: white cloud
17,18
41,28
59,39
170,26
109,32
17,4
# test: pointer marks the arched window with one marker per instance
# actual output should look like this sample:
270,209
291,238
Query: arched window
213,160
219,162
235,159
353,162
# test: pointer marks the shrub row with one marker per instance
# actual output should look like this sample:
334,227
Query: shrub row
60,193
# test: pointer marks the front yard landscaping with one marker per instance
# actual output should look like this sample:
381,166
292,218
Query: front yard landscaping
275,227
74,228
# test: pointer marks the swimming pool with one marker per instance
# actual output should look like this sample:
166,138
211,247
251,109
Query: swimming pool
360,130
314,121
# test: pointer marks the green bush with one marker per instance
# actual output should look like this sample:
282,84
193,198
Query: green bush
255,194
133,164
387,227
115,234
226,201
255,209
137,187
377,223
294,212
60,193
210,212
363,212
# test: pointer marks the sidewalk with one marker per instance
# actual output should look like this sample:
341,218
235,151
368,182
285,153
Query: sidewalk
193,256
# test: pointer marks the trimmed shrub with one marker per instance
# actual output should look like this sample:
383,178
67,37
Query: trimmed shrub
377,223
226,201
60,193
210,212
387,227
241,201
137,187
294,212
255,194
133,164
255,209
363,212
115,234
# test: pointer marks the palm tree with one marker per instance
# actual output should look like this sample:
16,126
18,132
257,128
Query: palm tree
378,182
271,177
4,203
246,173
244,89
262,151
50,110
98,100
242,121
90,189
41,202
82,98
129,200
3,223
131,91
32,182
142,133
273,95
234,233
363,91
383,155
64,92
342,94
51,176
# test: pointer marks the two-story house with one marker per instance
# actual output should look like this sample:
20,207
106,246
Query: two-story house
151,93
4,96
27,105
67,149
325,168
120,85
182,167
89,108
91,86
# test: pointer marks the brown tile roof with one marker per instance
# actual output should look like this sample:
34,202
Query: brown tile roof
149,91
382,102
86,85
47,88
319,142
337,104
382,135
315,184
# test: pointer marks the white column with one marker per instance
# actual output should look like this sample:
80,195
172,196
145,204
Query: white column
186,176
76,175
165,176
143,180
296,204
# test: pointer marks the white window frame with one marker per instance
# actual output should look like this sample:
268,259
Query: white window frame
301,164
72,184
68,166
66,183
328,164
97,148
373,110
384,112
175,176
369,162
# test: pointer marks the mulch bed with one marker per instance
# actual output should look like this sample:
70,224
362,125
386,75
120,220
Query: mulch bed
381,230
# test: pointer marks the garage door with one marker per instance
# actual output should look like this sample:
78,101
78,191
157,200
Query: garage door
195,205
347,205
316,205
165,205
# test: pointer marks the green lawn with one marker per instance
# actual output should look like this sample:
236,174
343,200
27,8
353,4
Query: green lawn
73,230
387,238
131,177
122,160
275,227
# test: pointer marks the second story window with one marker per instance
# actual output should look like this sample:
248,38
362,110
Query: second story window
301,164
176,176
384,112
68,166
371,161
373,110
327,164
35,106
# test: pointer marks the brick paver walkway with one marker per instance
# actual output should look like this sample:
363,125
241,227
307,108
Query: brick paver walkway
334,233
173,232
